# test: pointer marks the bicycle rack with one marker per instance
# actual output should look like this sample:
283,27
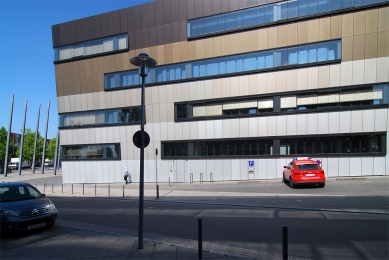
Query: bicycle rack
191,178
210,177
201,178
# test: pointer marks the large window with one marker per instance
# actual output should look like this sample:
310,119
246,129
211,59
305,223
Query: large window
105,45
101,117
268,14
366,144
232,65
332,99
91,152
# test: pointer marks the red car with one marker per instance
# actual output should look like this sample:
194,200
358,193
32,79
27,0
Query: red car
302,171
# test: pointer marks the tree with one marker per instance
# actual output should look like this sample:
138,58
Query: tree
50,150
28,146
3,144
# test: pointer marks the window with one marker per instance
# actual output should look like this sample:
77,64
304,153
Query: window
267,14
92,118
115,43
91,152
227,66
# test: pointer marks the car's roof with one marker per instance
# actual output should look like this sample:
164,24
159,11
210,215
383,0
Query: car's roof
305,161
9,184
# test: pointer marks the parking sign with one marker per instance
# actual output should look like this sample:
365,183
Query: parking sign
251,163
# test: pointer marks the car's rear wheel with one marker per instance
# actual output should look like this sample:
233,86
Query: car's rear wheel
291,184
321,185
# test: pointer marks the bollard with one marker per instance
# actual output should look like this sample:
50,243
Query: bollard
52,188
44,188
83,189
109,190
169,181
284,242
191,178
36,185
157,192
62,188
72,188
95,190
200,239
123,191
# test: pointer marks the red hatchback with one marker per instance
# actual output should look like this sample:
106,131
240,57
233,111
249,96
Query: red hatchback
302,171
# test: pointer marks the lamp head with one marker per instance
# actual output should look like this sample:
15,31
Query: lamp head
143,61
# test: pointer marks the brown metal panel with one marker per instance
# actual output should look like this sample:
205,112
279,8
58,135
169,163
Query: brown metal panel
88,66
73,31
190,12
93,66
83,84
65,87
77,87
234,5
137,18
138,39
62,38
168,53
182,10
151,13
144,16
112,63
82,68
105,60
76,69
89,85
176,32
79,37
145,38
110,23
183,33
167,28
68,35
252,2
371,46
359,47
158,13
153,36
69,68
383,44
119,62
59,88
130,19
174,11
166,11
98,32
104,25
184,51
242,4
224,6
95,84
215,6
262,2
207,7
198,9
123,20
116,22
131,40
55,35
160,35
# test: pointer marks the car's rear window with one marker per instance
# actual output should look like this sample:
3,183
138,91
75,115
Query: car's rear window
308,167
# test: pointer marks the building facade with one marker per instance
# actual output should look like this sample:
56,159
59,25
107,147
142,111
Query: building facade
240,88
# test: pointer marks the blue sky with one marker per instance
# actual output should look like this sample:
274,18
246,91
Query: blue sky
26,55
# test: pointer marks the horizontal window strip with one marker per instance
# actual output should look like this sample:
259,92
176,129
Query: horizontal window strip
297,56
366,144
91,152
89,48
339,99
270,14
100,117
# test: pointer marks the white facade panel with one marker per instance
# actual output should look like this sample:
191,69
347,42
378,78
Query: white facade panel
291,125
186,131
370,71
333,122
335,72
218,174
253,126
381,120
262,126
322,123
106,171
272,168
227,170
383,69
358,72
210,129
82,172
346,73
261,169
171,131
235,127
210,169
201,129
177,131
333,167
344,166
379,166
243,163
66,172
356,121
235,170
367,166
302,124
281,125
218,128
312,124
355,166
243,127
368,120
345,122
104,134
272,125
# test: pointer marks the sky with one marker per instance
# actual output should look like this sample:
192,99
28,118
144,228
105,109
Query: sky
26,56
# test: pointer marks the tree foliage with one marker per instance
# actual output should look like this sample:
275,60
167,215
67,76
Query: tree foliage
3,144
50,149
28,146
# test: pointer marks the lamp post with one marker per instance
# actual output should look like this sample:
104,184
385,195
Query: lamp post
143,61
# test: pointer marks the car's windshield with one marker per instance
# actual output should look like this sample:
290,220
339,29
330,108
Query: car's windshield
308,167
18,192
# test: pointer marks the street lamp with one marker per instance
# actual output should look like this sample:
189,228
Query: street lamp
143,61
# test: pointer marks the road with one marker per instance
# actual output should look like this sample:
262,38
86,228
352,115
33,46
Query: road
322,223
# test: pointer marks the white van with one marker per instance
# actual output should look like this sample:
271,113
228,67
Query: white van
14,164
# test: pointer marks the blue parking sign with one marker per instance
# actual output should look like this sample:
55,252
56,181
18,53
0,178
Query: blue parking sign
251,163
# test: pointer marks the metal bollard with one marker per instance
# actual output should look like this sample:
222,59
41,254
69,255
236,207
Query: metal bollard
52,188
284,242
123,191
157,192
72,188
83,189
200,238
95,190
210,177
109,190
62,188
36,185
169,181
191,178
44,188
201,177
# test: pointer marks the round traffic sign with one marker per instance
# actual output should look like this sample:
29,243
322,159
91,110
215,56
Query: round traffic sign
136,139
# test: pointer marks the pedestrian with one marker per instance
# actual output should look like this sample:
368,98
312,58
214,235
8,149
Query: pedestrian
125,175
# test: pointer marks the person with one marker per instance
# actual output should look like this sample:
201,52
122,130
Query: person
125,175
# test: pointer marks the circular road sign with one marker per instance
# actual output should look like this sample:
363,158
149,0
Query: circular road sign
136,139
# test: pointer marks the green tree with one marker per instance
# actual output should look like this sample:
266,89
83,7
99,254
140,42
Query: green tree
28,146
50,149
3,144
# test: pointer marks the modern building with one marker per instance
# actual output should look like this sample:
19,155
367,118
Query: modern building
240,88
